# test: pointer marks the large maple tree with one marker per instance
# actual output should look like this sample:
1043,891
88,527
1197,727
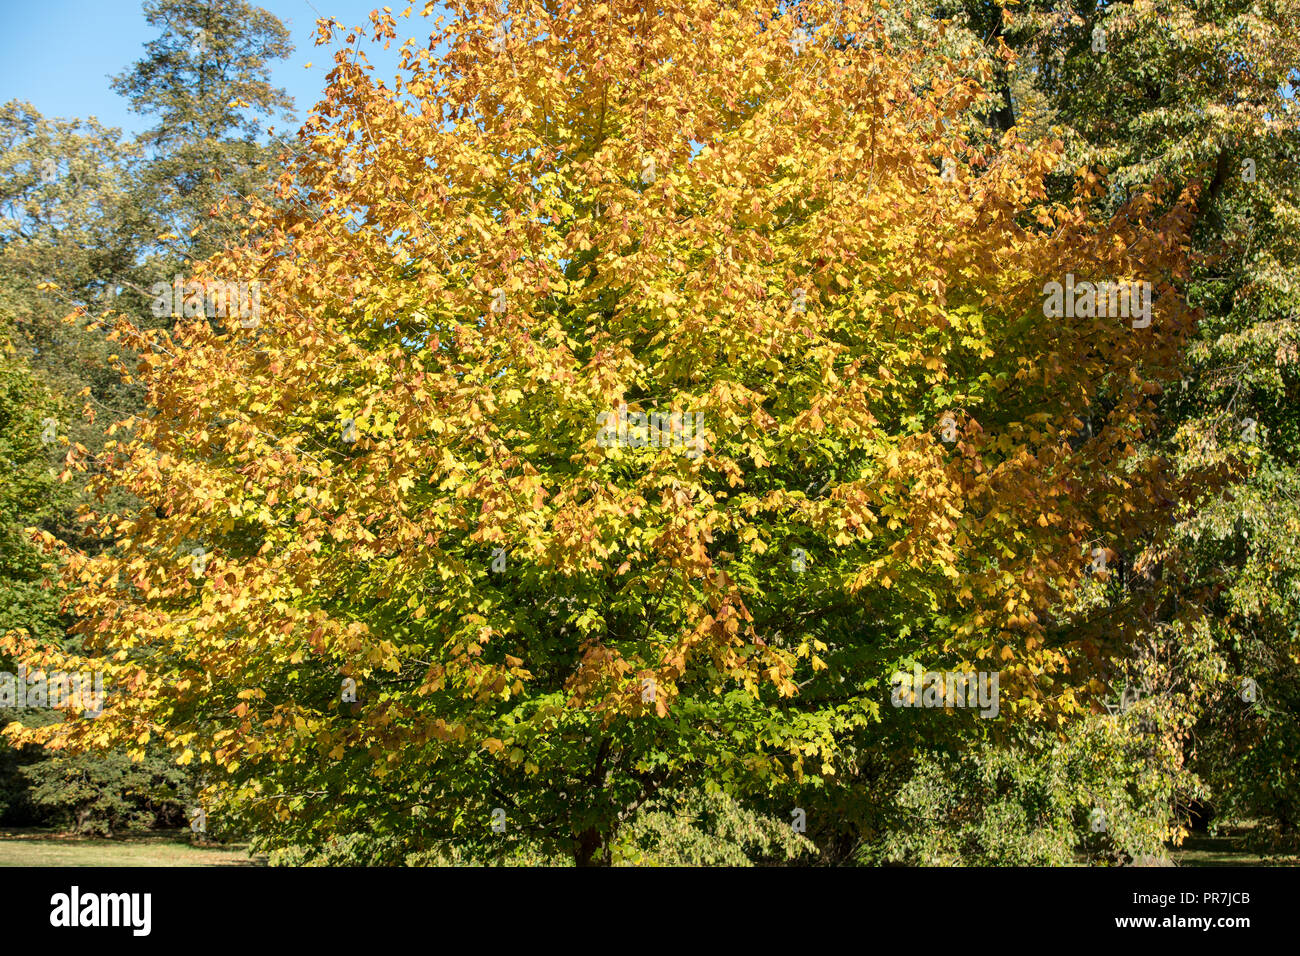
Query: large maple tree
401,478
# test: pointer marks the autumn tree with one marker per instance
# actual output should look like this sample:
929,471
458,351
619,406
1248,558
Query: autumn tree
93,222
634,391
1203,95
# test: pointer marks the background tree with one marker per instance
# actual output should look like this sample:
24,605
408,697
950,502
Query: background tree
70,246
1203,94
206,78
91,223
30,495
1200,96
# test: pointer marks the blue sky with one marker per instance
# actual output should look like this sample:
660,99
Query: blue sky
58,55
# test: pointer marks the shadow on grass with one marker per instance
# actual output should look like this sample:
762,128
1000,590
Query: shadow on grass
1231,846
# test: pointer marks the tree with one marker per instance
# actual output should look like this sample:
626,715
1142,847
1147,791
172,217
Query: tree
206,77
29,496
1203,94
69,243
93,223
856,437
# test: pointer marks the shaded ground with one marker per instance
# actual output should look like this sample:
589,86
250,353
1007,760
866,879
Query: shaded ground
1226,849
33,847
49,848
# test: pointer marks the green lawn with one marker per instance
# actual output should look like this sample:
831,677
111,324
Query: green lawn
48,848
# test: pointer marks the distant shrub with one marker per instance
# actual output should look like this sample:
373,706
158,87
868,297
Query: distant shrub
1098,794
104,794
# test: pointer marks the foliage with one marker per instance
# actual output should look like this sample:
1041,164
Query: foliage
1203,93
701,828
27,497
365,849
707,828
86,228
108,794
206,78
1095,796
606,206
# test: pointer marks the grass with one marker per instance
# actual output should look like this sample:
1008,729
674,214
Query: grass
35,847
50,848
1228,847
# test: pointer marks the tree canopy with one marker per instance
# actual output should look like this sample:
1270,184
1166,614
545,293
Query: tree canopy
404,566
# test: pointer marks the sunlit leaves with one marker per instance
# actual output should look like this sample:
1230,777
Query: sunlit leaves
400,479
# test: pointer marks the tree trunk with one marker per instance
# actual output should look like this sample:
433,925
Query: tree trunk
587,845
